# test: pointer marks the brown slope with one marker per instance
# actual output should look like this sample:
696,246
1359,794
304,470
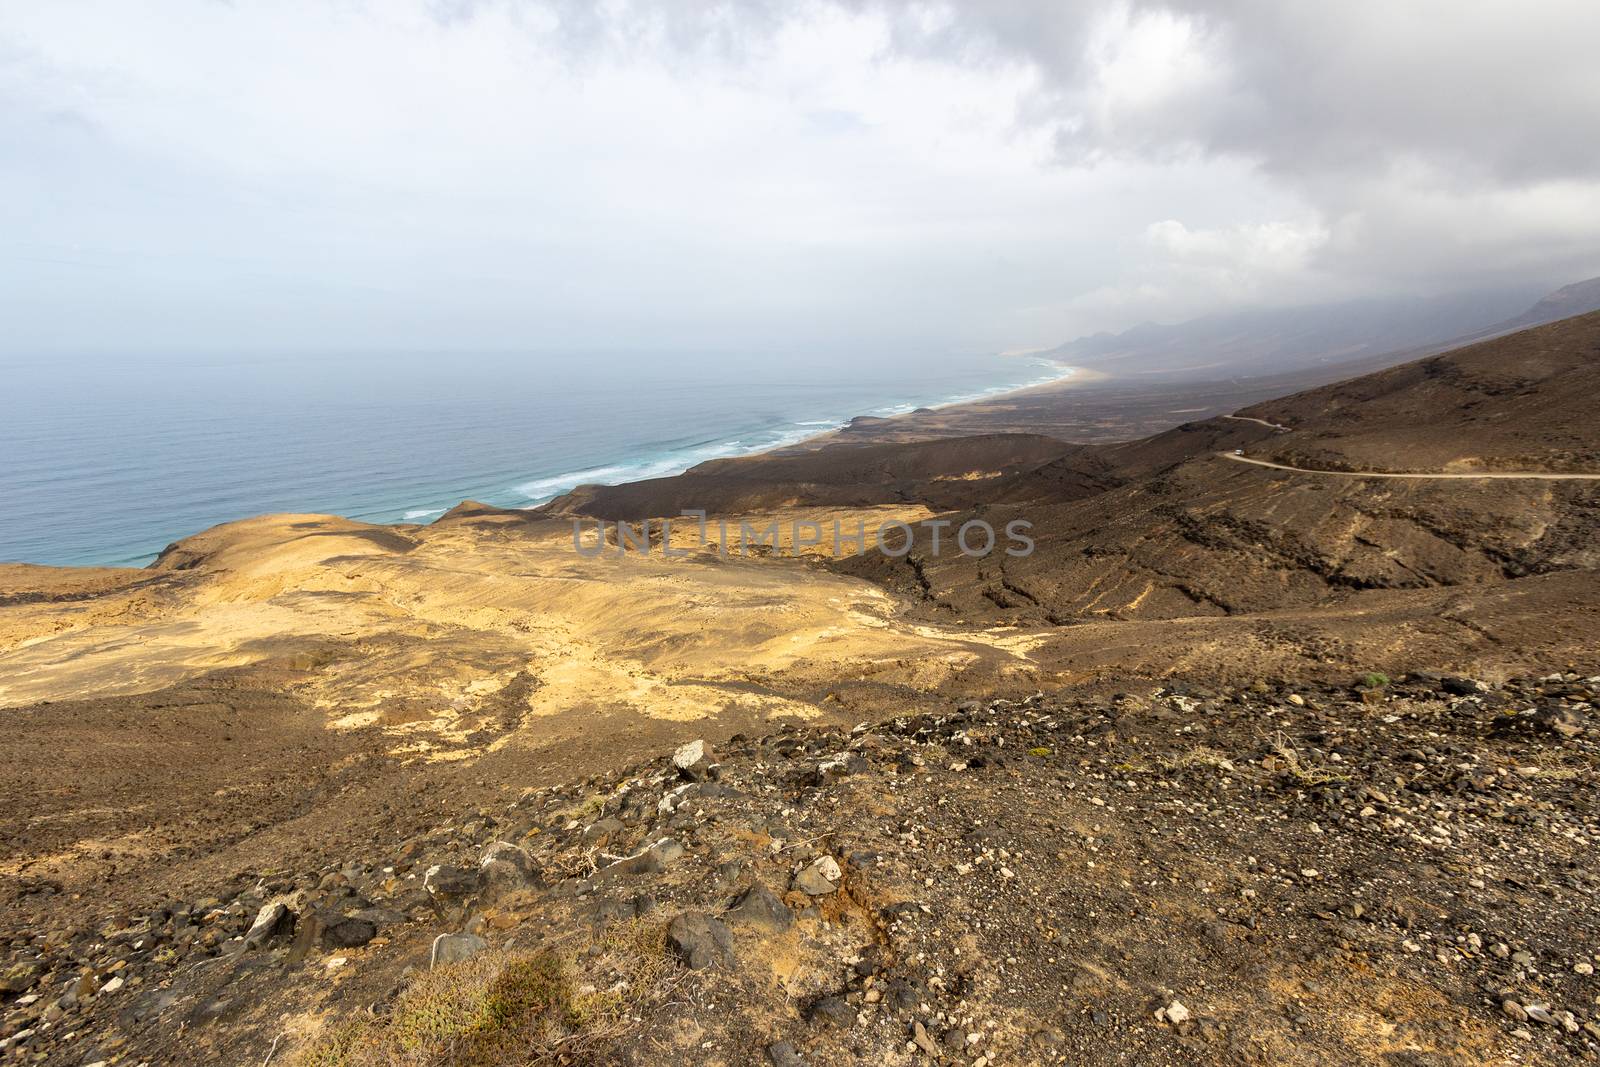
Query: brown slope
1523,401
944,474
1188,533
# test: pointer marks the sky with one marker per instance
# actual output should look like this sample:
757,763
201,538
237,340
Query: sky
375,175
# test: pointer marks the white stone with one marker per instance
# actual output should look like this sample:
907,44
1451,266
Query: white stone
689,754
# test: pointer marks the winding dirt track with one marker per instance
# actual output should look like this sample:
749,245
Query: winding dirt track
1544,476
1259,422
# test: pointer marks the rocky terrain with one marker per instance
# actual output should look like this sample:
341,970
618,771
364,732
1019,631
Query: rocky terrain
1242,764
1391,872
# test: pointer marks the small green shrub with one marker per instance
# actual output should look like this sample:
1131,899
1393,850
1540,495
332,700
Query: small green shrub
1373,680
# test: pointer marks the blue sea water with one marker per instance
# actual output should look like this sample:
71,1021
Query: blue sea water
107,460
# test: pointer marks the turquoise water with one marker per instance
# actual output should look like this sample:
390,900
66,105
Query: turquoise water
106,461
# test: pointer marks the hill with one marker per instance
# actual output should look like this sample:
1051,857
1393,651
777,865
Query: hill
1241,763
1341,338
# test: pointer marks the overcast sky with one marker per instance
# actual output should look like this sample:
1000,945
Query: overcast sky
290,175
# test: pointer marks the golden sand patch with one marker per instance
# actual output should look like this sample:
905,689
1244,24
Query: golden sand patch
434,633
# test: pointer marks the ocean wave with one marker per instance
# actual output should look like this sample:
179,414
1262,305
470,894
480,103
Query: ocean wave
421,513
544,488
665,465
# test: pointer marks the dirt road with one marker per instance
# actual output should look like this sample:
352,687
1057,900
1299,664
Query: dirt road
1531,475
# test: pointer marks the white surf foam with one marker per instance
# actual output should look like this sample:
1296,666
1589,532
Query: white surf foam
539,490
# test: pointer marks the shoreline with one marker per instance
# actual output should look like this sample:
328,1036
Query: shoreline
1068,377
832,429
802,436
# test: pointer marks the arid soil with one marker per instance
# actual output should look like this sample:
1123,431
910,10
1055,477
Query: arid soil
308,711
1391,873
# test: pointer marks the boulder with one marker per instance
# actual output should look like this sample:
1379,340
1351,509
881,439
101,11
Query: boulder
455,948
759,906
506,868
272,920
694,760
450,888
348,933
700,940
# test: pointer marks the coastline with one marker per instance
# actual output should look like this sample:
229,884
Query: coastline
807,440
911,424
538,491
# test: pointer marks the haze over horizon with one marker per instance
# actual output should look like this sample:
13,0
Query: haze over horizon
300,177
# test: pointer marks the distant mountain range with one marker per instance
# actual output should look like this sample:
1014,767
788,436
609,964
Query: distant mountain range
1346,335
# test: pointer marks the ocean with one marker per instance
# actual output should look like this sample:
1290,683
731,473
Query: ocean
105,461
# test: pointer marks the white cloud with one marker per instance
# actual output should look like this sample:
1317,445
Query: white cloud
501,174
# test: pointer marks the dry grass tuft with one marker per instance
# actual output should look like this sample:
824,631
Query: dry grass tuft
1288,762
500,1009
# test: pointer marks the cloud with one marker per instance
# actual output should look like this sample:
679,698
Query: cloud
715,176
1449,128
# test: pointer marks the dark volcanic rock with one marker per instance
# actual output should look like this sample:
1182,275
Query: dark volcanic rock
348,933
700,940
760,906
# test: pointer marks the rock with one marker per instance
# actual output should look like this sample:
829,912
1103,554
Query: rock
1539,1013
601,829
919,1035
694,760
505,868
832,770
20,977
835,1011
1513,1011
449,888
700,940
652,859
306,933
348,933
1175,1013
271,921
1556,719
1458,686
113,986
455,948
729,872
904,995
379,917
508,853
783,1054
820,878
760,906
